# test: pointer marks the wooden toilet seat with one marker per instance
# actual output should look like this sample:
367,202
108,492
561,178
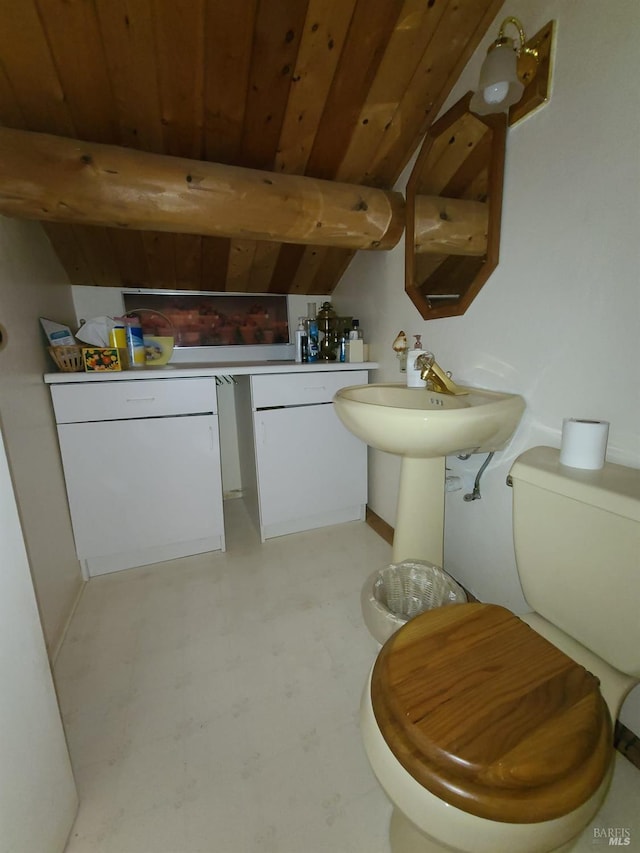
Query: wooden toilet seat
491,717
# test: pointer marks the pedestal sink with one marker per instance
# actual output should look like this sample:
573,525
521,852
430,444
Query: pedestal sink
423,427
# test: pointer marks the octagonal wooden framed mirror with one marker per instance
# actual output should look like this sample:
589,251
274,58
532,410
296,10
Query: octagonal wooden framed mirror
454,208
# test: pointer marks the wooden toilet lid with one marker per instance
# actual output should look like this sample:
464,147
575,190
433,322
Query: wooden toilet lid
491,717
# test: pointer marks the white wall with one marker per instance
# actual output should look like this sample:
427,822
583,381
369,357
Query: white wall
37,793
33,284
559,320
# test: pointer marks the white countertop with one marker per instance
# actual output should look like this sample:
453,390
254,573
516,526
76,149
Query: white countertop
238,368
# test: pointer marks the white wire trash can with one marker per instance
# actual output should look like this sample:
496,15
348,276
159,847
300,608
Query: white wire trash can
395,594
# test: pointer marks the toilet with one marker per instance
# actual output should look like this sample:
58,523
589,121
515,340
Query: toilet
493,733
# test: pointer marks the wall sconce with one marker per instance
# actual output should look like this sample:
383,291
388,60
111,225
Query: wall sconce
515,77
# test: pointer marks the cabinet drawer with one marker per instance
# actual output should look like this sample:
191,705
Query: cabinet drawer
141,398
302,388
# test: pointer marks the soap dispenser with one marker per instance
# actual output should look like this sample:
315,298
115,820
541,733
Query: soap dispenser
413,371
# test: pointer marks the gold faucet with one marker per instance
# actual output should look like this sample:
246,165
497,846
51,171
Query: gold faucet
435,377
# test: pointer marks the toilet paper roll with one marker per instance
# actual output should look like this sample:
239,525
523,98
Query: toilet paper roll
584,443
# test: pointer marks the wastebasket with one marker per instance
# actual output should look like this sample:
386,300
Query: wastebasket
393,595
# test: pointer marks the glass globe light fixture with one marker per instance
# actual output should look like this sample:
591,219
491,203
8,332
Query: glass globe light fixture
504,73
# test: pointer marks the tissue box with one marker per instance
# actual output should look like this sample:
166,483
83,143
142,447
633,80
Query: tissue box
100,358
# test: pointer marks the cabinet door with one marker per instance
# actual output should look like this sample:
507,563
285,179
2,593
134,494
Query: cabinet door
311,470
142,484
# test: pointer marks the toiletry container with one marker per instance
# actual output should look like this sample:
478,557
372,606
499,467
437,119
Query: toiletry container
312,332
342,346
136,354
355,345
302,349
118,340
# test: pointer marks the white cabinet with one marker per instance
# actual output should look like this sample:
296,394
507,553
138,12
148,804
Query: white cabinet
310,471
142,466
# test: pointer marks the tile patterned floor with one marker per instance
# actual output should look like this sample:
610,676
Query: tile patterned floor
210,703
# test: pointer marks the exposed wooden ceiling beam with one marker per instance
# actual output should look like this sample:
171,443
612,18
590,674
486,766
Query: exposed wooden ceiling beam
55,179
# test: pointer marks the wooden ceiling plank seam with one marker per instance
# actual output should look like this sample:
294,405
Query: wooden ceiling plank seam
73,34
308,268
371,26
11,114
99,254
286,266
351,84
453,43
69,252
31,69
179,40
213,263
324,33
310,262
413,31
161,259
131,257
228,50
228,31
332,269
264,264
188,254
277,38
241,255
127,34
424,83
466,50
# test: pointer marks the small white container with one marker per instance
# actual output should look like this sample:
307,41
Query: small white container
413,372
355,350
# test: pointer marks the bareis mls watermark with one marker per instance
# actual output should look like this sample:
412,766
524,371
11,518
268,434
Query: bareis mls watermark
612,836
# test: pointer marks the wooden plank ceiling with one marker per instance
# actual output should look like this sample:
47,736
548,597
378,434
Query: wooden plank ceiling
335,89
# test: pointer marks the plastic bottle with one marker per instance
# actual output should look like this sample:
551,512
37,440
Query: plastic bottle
302,352
118,340
312,332
356,332
342,347
136,354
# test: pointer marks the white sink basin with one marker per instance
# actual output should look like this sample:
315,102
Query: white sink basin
423,424
423,427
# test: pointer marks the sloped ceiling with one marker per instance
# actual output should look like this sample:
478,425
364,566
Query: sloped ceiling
335,89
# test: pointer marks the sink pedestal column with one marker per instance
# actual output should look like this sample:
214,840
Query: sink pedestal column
419,530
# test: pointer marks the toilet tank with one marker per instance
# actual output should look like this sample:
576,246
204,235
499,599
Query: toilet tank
577,543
